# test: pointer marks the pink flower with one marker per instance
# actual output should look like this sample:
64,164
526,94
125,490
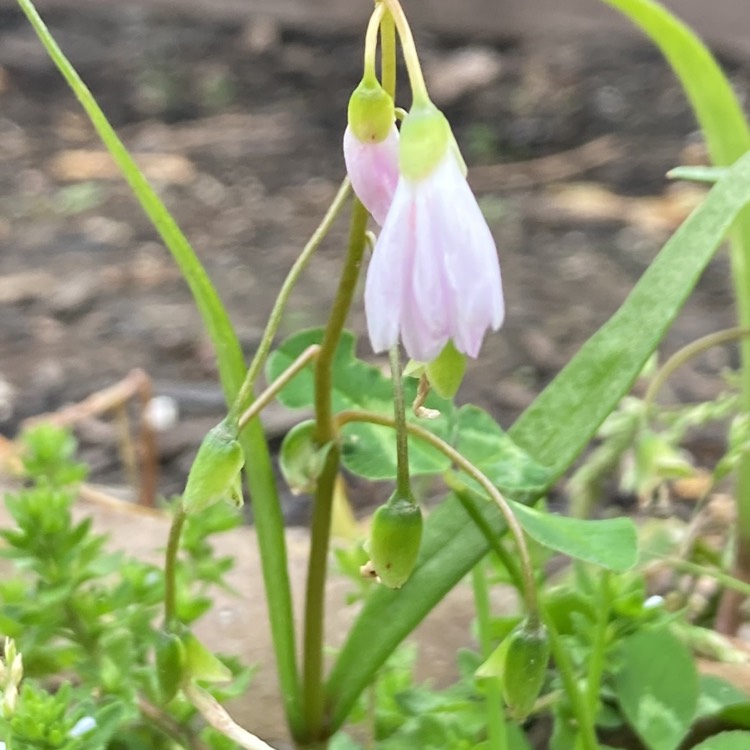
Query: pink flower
373,170
434,275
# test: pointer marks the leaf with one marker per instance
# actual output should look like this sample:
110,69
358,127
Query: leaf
736,740
511,469
716,695
657,687
553,430
611,543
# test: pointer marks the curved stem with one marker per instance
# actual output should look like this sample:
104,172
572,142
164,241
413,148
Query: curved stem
371,42
170,567
529,585
684,355
270,393
388,54
312,679
418,87
218,717
274,319
403,485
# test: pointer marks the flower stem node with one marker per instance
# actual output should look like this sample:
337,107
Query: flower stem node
216,473
395,538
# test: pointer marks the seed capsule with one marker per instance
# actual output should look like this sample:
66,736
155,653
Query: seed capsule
395,537
526,662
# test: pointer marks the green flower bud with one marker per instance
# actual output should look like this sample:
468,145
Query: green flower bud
526,660
395,536
425,139
301,459
216,471
171,661
371,114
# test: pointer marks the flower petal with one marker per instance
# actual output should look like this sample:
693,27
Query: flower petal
373,170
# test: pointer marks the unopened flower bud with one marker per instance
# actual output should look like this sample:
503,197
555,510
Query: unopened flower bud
171,660
371,147
216,472
395,538
525,668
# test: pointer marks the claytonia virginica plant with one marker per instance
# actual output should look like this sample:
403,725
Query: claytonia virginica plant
588,649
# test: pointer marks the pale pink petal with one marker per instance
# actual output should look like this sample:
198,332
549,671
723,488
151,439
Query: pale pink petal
373,170
389,271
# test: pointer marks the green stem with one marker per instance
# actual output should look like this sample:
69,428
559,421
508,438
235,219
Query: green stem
493,540
726,580
403,484
170,567
312,681
497,735
684,355
416,79
371,43
577,699
598,646
463,463
388,54
265,398
274,319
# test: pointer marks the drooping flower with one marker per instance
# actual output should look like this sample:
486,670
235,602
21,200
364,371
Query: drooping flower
434,275
371,148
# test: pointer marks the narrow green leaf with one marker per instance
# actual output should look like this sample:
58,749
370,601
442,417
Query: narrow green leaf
260,475
697,174
553,430
657,687
715,104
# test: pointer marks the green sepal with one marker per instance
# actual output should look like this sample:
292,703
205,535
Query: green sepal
301,459
395,538
526,663
216,471
371,113
201,664
426,137
171,661
446,371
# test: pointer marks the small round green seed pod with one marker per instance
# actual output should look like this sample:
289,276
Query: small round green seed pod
526,661
395,536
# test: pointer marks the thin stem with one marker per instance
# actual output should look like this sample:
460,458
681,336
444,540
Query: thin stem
218,717
497,735
274,319
598,646
312,678
170,567
388,54
570,684
265,398
493,540
529,585
726,580
403,485
371,42
418,87
684,355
